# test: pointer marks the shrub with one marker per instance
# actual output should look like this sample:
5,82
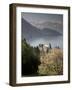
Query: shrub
51,63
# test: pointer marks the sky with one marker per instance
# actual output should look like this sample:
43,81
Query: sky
38,17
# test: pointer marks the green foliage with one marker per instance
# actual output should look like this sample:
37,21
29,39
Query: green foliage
30,59
34,64
26,52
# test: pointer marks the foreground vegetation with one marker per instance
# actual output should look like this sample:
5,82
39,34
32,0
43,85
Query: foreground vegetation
36,63
30,59
51,62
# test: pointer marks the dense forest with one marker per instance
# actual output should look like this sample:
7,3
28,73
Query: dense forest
30,59
36,63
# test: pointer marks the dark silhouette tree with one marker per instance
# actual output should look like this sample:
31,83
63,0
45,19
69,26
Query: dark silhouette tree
50,45
30,60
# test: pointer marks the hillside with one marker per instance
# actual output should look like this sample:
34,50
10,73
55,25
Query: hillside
29,31
51,62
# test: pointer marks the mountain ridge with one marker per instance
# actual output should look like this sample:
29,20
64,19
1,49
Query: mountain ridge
29,31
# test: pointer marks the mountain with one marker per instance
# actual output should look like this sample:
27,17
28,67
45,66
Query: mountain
51,25
31,32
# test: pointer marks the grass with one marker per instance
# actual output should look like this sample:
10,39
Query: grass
51,62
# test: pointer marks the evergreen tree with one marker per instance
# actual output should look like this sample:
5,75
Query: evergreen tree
30,60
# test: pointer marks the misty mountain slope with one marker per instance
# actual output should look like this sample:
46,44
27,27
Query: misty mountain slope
31,32
51,25
50,32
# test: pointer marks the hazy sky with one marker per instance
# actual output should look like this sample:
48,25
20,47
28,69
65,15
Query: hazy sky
34,18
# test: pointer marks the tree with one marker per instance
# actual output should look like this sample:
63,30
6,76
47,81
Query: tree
30,60
50,45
